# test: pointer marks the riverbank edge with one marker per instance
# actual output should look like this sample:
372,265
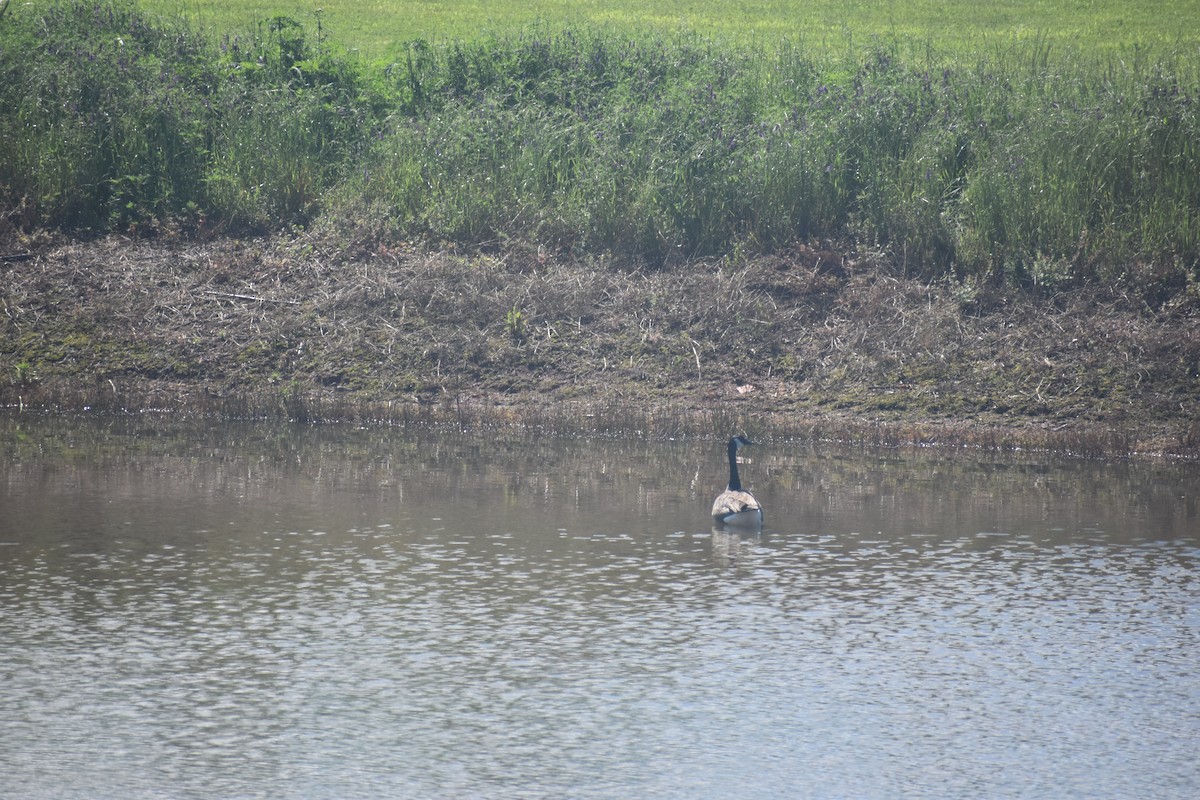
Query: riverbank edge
822,343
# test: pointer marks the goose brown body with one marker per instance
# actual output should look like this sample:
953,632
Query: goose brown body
736,506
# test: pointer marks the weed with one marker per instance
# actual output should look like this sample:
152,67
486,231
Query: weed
514,324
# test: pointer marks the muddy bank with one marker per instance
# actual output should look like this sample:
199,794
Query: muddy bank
817,343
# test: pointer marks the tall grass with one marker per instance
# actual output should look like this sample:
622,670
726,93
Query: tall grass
1023,163
102,124
1018,165
115,119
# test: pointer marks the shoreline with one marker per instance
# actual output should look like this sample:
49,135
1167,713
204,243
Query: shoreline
820,343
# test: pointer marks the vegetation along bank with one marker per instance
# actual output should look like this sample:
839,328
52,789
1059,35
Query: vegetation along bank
588,227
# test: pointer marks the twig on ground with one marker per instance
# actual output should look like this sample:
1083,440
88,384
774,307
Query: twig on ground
235,296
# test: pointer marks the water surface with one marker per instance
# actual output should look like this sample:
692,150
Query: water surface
195,611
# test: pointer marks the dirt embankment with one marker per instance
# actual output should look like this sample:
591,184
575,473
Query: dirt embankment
819,342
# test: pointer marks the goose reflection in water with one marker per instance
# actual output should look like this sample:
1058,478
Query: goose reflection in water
734,546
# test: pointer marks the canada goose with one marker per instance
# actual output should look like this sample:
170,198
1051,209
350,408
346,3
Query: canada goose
735,506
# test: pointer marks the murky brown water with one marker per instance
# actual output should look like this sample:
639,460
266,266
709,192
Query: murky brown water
199,612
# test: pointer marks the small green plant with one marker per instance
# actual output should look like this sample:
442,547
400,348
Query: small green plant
514,324
294,403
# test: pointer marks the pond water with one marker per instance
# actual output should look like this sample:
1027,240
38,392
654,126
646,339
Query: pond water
197,611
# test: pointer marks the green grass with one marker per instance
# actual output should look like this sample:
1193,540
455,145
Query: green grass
380,30
1026,161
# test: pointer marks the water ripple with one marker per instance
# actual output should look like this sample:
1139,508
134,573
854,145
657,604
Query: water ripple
341,644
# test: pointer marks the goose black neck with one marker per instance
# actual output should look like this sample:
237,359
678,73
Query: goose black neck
735,483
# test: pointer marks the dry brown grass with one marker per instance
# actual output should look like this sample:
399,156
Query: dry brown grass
813,344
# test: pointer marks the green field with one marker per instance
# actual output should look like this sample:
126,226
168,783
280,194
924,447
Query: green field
380,29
